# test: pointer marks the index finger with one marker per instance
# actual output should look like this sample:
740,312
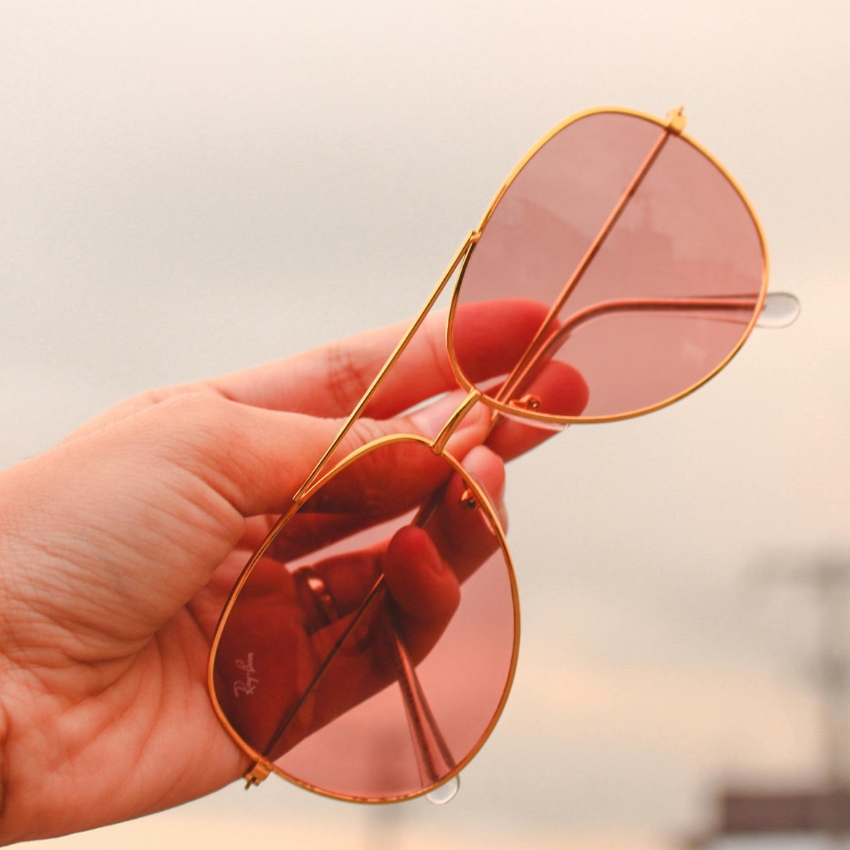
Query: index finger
330,380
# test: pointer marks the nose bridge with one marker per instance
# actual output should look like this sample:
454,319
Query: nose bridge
454,421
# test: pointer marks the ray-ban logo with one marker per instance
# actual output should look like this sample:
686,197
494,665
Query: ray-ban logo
251,681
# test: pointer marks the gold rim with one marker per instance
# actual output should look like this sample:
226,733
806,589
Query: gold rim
492,517
533,416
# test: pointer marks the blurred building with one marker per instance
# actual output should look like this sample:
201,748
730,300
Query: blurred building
801,820
813,818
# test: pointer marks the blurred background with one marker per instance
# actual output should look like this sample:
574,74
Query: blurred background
190,188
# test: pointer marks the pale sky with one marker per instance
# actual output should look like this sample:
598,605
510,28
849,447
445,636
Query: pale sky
189,188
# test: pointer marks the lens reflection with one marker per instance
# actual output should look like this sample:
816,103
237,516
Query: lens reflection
373,666
649,307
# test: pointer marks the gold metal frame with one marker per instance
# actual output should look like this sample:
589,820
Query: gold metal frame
255,776
673,124
318,477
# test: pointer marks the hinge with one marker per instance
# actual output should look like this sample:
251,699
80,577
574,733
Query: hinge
257,773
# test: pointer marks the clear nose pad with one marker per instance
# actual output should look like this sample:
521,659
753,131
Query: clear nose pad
531,402
445,793
780,310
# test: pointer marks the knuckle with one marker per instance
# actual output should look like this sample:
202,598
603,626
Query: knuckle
195,419
347,377
367,430
435,339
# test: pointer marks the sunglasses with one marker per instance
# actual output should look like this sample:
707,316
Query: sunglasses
369,646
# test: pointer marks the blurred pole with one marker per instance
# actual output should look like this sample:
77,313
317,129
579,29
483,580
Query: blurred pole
830,580
829,576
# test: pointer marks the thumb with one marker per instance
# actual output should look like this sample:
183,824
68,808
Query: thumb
257,459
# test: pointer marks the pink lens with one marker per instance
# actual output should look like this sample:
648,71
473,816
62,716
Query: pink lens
381,696
669,293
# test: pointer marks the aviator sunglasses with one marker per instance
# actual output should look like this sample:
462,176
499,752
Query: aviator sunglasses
369,646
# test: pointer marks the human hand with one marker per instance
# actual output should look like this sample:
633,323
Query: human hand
120,545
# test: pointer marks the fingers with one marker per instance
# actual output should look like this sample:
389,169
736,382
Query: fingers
419,579
423,586
257,455
388,482
271,649
560,384
361,653
422,566
463,533
329,381
354,653
256,459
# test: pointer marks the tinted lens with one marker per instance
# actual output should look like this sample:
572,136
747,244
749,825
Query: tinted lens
373,666
668,294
